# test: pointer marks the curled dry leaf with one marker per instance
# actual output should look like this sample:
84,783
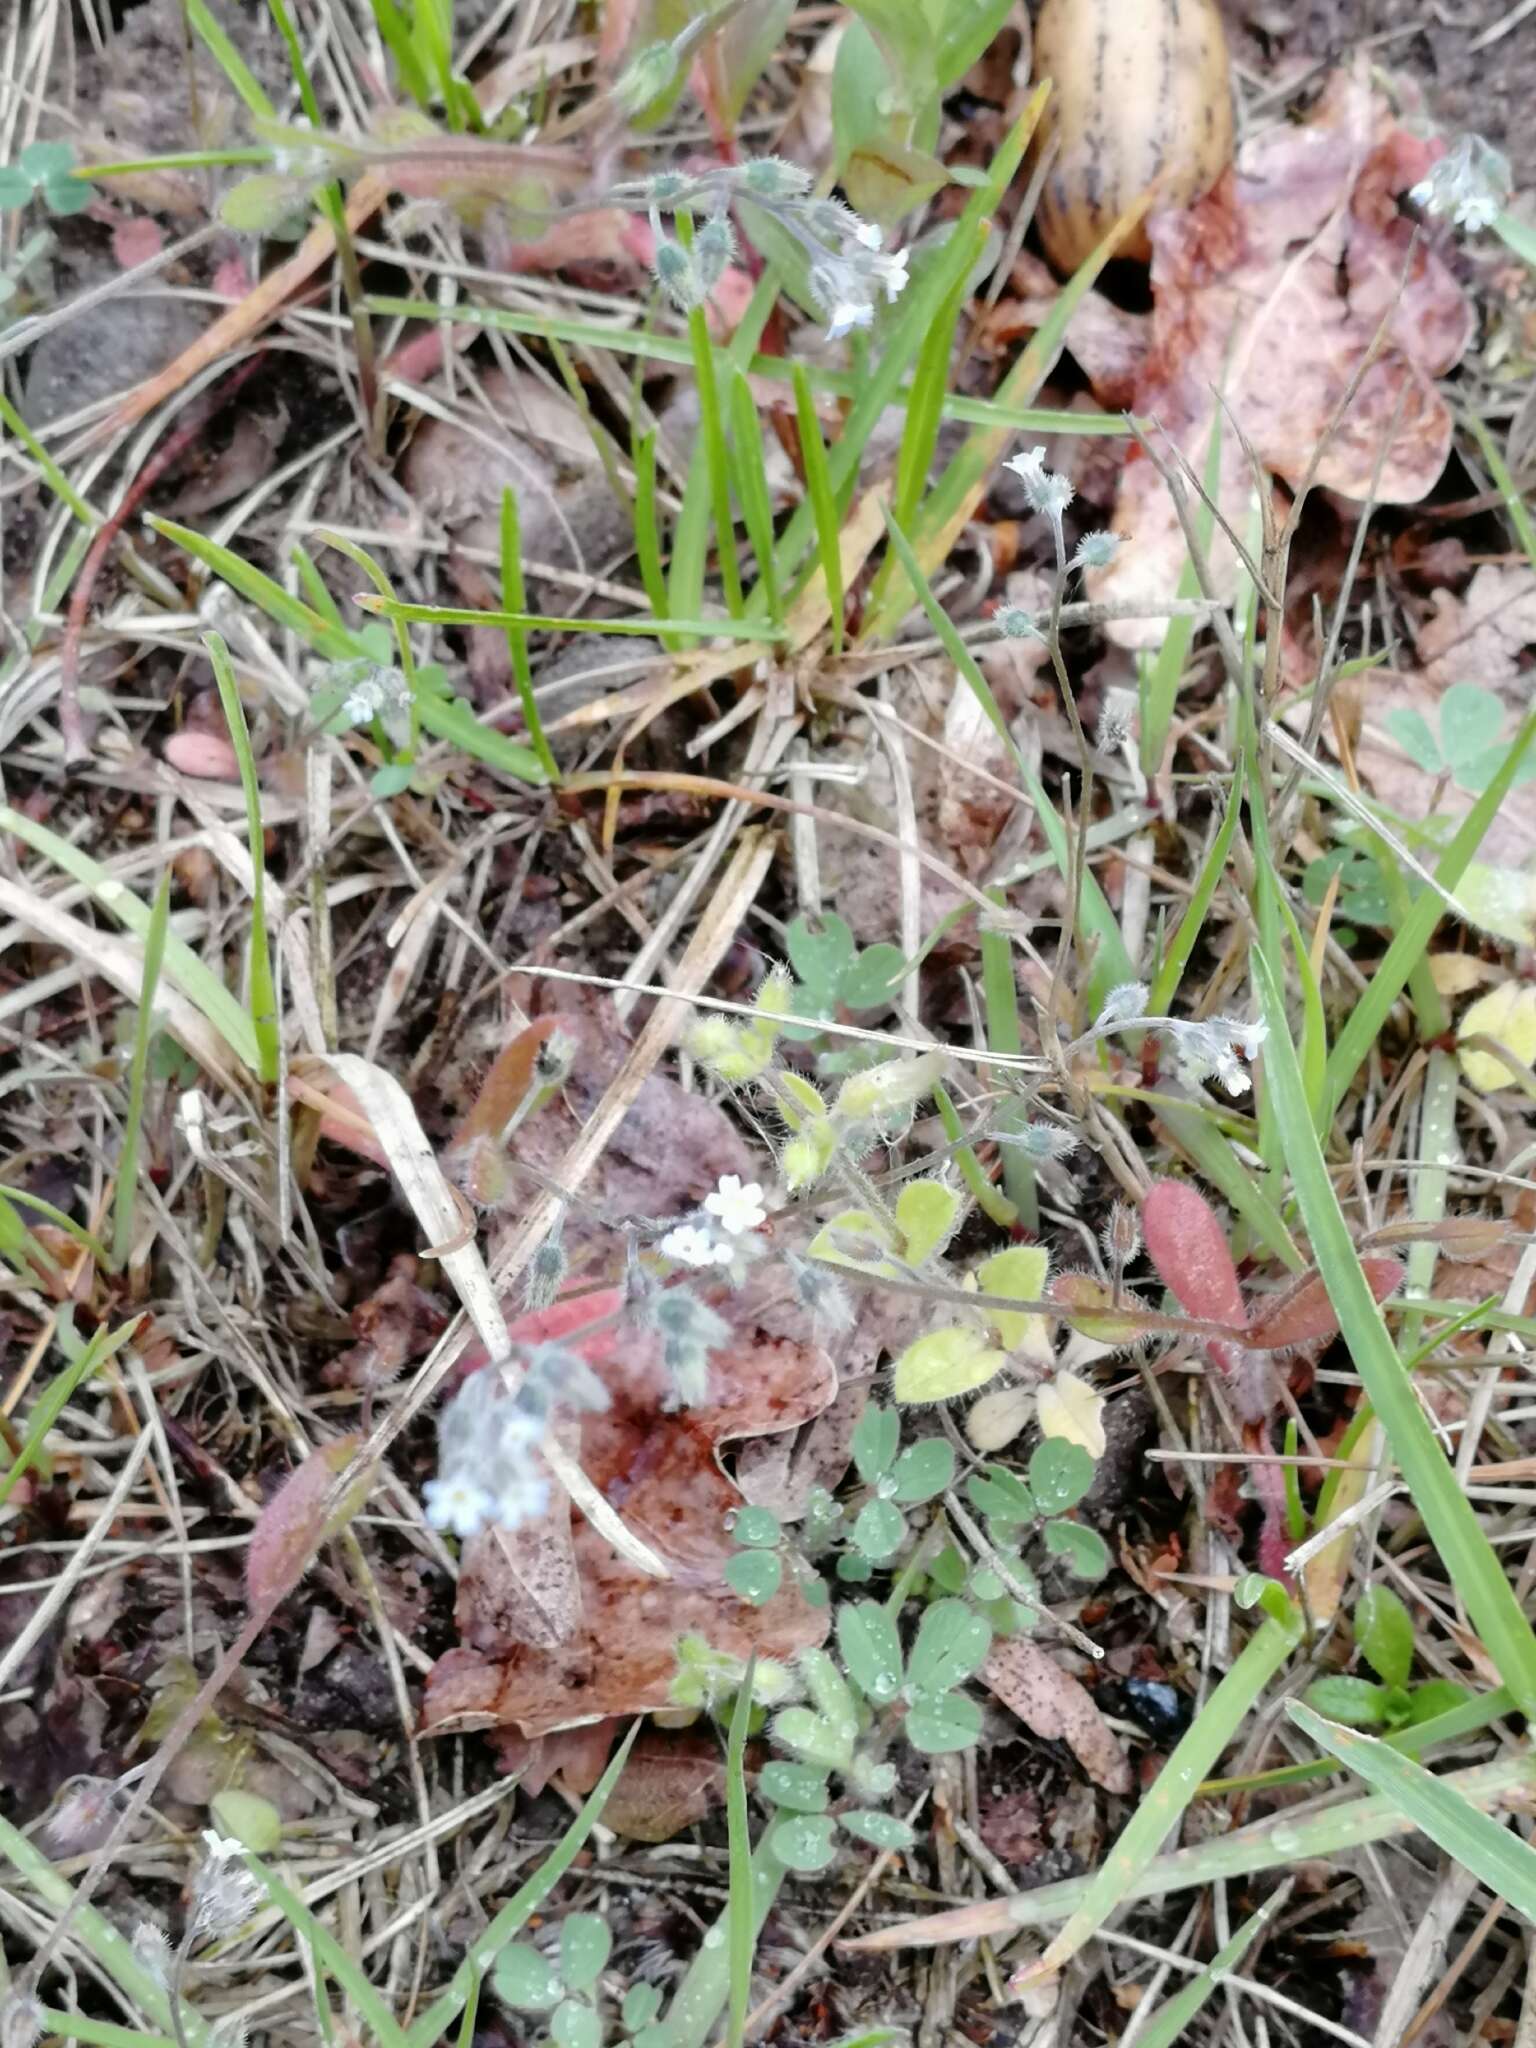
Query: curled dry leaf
1272,289
662,1472
1058,1707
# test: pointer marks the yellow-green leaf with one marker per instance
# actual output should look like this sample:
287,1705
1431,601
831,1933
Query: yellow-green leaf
1508,1015
1018,1273
925,1215
858,1239
1069,1408
943,1364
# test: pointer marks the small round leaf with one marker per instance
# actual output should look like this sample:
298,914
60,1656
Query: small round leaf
641,2004
875,1438
1354,1701
879,1530
575,2024
952,1642
1384,1630
804,1841
757,1529
883,1829
924,1470
799,1787
871,1649
1084,1549
524,1978
584,1945
943,1721
250,1819
755,1575
1060,1473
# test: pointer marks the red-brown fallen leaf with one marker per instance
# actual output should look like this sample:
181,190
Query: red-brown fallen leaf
670,1781
1186,1243
661,1473
1272,289
399,1321
1303,1313
576,1756
1058,1707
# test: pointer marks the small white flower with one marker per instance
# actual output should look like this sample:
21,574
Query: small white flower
523,1498
846,316
459,1504
890,273
1252,1036
688,1245
1471,184
737,1209
1230,1072
222,1848
871,237
1029,468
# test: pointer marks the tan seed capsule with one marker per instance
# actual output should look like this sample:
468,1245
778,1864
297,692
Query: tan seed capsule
1142,98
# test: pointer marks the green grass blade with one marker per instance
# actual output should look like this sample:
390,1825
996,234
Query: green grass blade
648,534
27,1257
1514,499
263,990
427,2028
126,1191
1176,955
56,1396
1481,1844
1191,1760
752,488
515,597
1363,1025
1161,691
195,980
1470,1560
1112,964
740,1914
1314,1026
823,503
229,60
645,344
645,628
446,718
25,1199
717,458
1168,2024
48,469
335,642
396,32
327,1950
1468,1719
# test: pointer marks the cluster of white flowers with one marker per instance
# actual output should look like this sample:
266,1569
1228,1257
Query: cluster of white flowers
1045,490
729,1215
848,266
1471,184
1203,1047
489,1471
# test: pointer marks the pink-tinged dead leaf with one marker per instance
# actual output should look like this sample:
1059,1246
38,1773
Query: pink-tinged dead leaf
1272,289
1480,636
207,755
1058,1707
136,240
1303,1314
1188,1246
662,1473
298,1518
